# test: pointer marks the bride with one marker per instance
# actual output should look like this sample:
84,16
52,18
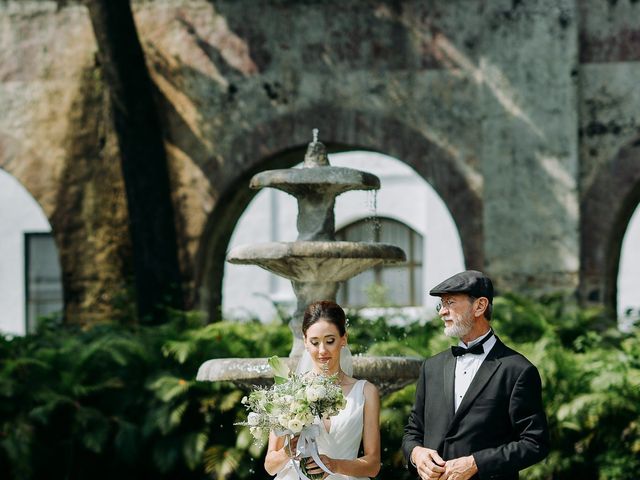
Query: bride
325,340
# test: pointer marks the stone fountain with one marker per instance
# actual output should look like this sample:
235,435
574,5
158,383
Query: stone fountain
315,263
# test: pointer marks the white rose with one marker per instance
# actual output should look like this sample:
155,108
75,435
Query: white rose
322,392
312,394
316,393
253,419
287,399
295,425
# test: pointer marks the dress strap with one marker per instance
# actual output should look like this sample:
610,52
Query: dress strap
360,386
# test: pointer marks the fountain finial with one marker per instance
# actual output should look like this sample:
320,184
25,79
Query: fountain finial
316,153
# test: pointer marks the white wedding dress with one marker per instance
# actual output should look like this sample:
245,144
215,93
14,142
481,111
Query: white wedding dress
343,438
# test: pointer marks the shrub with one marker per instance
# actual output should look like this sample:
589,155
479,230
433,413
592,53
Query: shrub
122,400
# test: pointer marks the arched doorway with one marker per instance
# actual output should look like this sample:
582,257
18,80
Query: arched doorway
607,206
30,278
405,200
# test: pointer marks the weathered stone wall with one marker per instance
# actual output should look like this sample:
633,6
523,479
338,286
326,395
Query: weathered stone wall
56,139
609,129
511,110
529,144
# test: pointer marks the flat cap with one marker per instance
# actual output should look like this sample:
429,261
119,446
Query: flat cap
471,282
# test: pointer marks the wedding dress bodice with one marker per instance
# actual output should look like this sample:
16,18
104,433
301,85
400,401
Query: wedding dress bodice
344,436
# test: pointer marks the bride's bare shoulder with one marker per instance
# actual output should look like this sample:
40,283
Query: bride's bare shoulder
370,390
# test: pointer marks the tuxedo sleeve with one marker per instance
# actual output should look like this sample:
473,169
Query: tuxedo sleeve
414,430
530,426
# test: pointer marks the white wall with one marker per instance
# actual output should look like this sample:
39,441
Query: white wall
403,196
19,213
629,273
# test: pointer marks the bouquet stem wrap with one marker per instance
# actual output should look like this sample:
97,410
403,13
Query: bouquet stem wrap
307,447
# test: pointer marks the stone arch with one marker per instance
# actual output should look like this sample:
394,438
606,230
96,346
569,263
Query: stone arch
282,142
605,211
13,154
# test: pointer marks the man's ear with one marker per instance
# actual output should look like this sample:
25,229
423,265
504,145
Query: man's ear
481,307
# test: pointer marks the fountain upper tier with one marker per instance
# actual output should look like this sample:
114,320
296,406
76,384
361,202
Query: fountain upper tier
316,257
316,186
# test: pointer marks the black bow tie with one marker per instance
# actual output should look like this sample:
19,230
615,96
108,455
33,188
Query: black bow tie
477,349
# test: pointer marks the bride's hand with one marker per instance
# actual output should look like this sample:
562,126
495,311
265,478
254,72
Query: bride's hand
313,468
293,444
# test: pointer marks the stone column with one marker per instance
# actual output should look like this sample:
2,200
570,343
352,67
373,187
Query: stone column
528,67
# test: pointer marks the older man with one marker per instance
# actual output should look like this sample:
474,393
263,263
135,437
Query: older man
478,409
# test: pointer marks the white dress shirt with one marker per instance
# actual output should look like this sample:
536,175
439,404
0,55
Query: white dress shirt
467,366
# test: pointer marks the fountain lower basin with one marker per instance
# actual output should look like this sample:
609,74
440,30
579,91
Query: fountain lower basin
387,373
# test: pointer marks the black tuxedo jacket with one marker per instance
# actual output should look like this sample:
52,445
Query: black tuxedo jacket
501,420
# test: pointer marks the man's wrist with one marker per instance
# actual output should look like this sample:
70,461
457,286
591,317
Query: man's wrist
413,452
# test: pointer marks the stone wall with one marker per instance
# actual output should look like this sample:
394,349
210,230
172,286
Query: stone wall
56,139
520,114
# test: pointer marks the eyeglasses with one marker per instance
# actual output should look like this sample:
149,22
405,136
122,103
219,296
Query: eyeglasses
446,304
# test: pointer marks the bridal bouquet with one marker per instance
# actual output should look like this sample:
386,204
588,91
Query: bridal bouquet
290,407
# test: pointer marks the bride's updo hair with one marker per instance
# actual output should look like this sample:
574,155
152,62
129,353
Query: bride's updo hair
324,310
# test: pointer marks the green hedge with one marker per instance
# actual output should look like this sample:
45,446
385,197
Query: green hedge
122,401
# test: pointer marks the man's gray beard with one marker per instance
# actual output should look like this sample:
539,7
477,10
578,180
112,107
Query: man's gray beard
459,330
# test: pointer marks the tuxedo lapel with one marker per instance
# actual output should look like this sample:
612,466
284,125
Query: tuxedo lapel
482,377
448,407
449,373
